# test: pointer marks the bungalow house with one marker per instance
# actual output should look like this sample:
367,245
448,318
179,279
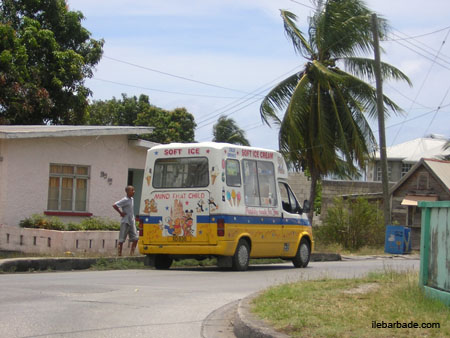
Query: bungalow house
402,157
71,172
428,180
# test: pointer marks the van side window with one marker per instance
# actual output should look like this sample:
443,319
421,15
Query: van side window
181,173
288,200
233,173
259,184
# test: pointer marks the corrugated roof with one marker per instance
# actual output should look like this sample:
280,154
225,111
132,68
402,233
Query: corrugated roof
11,132
441,169
413,151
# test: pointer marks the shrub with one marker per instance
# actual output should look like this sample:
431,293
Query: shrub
38,221
99,223
352,224
74,227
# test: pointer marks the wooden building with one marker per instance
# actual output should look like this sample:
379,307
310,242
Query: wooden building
428,180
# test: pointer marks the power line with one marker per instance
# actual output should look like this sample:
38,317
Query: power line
163,91
246,128
437,110
257,92
423,83
207,124
424,56
307,6
418,36
427,50
173,75
414,118
406,97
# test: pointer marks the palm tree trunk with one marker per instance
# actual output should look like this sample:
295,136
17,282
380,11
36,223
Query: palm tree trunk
312,195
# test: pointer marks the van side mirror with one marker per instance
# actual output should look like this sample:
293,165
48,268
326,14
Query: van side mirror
306,206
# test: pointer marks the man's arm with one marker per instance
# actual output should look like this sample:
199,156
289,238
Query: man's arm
122,214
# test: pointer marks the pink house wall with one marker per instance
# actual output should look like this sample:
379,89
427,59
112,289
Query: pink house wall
24,172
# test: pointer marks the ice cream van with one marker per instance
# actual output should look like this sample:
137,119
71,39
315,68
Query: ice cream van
220,200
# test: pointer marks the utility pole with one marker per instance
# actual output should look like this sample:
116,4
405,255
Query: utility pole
381,127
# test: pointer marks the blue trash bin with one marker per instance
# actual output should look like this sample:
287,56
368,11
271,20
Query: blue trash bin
397,240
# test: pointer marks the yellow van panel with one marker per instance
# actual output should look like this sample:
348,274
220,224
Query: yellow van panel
269,237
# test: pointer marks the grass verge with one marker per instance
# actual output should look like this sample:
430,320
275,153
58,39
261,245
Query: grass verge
129,263
117,264
351,307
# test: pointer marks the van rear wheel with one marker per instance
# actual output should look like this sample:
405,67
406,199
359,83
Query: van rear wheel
241,256
163,262
303,254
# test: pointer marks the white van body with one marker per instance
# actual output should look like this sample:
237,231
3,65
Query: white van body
223,200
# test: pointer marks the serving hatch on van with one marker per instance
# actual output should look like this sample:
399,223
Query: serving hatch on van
220,200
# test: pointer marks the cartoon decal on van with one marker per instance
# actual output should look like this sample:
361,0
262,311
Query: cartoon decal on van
150,206
214,174
179,223
177,212
148,178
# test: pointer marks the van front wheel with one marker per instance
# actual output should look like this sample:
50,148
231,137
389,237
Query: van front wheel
241,256
303,254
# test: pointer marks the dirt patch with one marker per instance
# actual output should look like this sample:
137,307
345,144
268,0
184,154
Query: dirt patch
362,289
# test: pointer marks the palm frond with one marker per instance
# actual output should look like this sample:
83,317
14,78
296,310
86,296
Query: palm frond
301,45
278,98
363,67
366,95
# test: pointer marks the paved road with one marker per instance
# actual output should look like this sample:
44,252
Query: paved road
146,303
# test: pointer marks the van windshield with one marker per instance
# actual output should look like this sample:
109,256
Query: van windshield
189,172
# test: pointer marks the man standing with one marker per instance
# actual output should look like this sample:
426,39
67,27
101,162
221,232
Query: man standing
127,224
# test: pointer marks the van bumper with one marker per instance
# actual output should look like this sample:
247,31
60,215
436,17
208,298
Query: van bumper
222,248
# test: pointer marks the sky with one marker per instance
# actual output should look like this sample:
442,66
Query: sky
220,57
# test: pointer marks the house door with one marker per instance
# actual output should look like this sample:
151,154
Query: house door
135,178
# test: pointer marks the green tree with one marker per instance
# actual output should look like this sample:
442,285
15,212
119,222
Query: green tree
118,112
45,57
353,224
324,127
226,130
177,125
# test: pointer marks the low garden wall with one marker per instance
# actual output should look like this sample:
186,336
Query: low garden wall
53,242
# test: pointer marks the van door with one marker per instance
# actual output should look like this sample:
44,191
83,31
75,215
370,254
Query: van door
291,218
178,217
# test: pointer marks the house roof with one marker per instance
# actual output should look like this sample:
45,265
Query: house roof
439,168
412,151
15,132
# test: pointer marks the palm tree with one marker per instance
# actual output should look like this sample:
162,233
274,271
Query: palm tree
324,127
226,130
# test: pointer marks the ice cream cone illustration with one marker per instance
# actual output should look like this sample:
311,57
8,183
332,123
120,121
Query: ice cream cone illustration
233,196
214,175
238,196
229,198
149,179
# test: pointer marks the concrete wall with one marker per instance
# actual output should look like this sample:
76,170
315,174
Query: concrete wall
332,189
24,172
51,242
300,185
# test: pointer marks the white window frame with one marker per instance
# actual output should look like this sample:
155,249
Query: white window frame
379,173
253,198
73,176
405,168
